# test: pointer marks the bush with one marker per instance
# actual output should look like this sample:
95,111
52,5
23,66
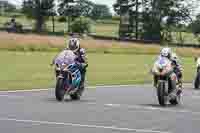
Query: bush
107,21
81,25
116,18
62,19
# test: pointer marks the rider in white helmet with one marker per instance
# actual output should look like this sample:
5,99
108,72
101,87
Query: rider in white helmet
167,52
81,60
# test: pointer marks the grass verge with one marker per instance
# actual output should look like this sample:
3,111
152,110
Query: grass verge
27,70
32,42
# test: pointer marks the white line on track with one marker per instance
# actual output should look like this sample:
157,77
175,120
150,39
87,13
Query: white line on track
146,108
32,90
11,96
88,87
83,125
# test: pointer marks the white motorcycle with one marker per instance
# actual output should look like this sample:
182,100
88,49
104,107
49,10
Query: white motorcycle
167,82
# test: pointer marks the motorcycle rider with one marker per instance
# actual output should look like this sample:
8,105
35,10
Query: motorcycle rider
81,59
178,68
167,52
197,60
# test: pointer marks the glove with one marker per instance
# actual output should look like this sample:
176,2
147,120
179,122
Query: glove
84,65
53,62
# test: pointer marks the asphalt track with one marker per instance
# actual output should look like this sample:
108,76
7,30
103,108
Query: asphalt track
114,109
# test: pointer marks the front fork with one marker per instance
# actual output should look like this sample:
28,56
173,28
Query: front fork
67,85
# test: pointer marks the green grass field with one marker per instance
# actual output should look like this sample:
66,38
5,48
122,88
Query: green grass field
26,70
108,28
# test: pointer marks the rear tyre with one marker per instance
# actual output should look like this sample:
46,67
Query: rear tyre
175,101
60,90
75,96
197,81
161,94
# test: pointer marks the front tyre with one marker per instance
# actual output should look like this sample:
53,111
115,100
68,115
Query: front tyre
161,94
60,90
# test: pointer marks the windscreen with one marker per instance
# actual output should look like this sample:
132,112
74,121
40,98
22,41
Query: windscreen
65,57
162,62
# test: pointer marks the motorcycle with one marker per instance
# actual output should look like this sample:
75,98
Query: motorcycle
68,77
197,78
167,82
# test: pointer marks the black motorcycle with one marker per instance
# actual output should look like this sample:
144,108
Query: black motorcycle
197,78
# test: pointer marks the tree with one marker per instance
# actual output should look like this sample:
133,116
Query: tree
64,7
5,6
195,26
81,25
129,13
80,8
84,8
118,6
100,12
39,10
154,12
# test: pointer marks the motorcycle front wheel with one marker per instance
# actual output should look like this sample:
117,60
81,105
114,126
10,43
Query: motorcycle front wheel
161,94
60,90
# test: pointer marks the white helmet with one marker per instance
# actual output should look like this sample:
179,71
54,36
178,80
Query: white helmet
74,44
166,52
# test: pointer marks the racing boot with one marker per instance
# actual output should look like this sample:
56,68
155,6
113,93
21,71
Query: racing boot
155,81
82,85
81,89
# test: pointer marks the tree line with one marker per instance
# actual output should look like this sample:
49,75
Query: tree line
40,10
149,19
158,18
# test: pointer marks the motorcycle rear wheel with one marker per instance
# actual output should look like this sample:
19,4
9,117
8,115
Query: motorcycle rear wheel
75,96
175,101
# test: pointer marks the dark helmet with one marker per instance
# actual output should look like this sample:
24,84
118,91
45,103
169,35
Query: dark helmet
74,44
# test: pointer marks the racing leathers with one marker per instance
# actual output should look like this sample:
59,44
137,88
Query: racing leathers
81,61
